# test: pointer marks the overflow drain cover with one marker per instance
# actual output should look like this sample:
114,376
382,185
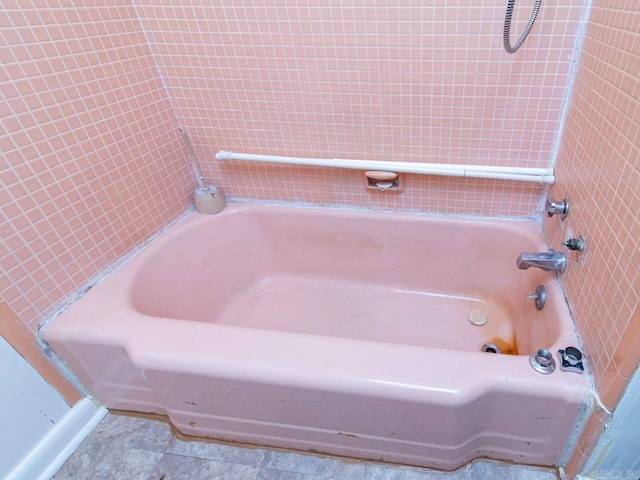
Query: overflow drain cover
478,317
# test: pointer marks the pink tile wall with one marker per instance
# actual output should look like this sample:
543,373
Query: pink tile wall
408,81
92,163
599,171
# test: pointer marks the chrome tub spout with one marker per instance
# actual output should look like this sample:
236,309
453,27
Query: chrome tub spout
550,261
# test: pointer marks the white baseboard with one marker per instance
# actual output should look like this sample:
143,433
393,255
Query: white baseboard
53,450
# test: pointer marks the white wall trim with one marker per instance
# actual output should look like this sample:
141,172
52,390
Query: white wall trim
57,446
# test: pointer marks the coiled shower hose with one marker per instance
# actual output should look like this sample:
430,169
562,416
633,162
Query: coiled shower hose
507,26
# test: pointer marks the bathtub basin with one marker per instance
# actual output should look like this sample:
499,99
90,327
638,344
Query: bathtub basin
337,331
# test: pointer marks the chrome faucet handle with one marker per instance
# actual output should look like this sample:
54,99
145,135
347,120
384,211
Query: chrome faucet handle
542,361
557,208
571,360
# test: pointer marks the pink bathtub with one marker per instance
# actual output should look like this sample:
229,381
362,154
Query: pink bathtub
336,331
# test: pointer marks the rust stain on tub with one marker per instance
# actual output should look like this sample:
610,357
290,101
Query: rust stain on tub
507,347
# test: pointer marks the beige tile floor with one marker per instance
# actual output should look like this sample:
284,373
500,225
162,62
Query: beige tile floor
130,448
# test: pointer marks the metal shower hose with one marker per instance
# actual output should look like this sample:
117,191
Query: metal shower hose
507,26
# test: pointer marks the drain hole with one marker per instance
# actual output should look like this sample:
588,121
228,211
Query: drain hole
490,348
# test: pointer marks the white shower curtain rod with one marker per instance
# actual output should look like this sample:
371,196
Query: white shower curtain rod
520,174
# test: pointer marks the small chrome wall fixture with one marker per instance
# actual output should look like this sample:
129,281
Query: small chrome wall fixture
571,360
557,208
540,296
387,181
542,361
575,244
